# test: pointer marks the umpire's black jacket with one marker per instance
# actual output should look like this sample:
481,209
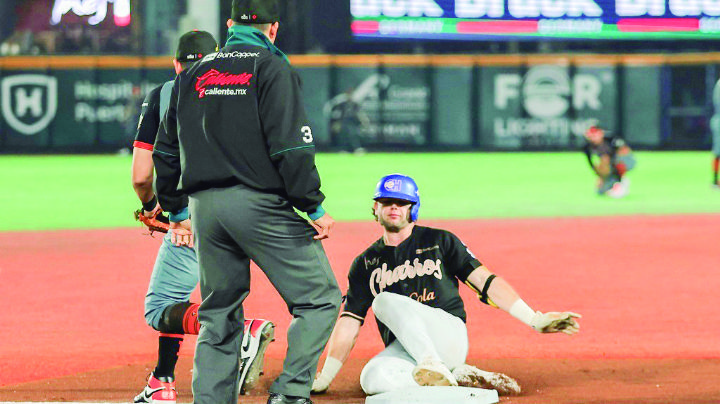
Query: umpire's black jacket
237,117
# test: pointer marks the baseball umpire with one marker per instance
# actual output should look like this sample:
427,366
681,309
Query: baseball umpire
236,139
175,274
615,159
410,278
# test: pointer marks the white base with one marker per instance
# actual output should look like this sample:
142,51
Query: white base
436,395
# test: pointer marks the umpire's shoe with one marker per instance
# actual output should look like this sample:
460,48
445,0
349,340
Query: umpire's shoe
276,398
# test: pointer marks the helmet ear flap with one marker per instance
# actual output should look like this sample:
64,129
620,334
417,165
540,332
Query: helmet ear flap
415,212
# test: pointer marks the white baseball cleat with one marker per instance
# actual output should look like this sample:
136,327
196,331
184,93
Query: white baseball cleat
619,189
432,372
470,376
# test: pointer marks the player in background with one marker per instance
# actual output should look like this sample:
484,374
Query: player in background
410,278
614,159
715,129
175,275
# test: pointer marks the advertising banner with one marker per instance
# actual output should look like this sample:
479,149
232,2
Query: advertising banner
539,19
65,128
353,106
544,106
116,100
408,107
66,108
405,105
29,103
380,106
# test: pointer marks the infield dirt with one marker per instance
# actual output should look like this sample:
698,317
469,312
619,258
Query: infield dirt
645,285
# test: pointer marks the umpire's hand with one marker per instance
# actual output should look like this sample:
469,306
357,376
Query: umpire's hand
323,226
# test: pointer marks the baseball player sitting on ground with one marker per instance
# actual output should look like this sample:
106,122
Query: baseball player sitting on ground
175,275
615,160
410,278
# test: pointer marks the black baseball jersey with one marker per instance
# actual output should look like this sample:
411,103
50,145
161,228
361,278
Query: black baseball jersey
237,117
149,121
608,147
426,267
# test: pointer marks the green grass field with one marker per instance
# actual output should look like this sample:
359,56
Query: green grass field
64,192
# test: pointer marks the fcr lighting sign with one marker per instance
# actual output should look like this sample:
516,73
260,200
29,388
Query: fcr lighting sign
592,19
97,11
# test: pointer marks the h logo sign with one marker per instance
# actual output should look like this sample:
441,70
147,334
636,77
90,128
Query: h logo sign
29,102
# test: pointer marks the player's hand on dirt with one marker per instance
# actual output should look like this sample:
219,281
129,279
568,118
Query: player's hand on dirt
182,234
330,369
554,321
323,226
320,384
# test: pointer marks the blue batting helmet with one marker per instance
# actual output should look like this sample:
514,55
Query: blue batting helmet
398,186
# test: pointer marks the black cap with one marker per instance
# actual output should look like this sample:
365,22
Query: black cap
194,45
255,11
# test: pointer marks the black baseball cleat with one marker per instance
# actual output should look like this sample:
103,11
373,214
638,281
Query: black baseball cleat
276,398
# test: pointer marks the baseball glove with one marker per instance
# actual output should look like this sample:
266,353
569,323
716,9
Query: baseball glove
158,223
553,321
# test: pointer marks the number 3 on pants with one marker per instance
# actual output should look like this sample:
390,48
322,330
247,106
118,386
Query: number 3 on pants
307,134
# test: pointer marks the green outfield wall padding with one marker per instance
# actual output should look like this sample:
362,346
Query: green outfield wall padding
642,105
452,106
375,104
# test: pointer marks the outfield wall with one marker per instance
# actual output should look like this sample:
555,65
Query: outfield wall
419,102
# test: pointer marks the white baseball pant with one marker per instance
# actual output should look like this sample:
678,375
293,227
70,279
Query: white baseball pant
422,331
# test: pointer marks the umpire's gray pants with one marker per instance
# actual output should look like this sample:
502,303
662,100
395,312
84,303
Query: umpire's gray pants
233,226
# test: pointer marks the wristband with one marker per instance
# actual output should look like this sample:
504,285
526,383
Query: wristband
521,311
317,213
181,215
150,205
330,369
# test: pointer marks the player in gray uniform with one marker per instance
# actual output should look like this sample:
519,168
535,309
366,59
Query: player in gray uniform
715,129
410,278
175,274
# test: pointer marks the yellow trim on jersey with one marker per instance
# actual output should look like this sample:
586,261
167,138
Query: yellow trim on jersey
480,296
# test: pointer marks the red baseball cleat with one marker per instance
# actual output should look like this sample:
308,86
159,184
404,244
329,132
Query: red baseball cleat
158,391
257,336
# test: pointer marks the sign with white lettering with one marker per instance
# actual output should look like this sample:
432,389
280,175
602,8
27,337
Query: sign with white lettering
96,10
388,107
485,19
545,106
